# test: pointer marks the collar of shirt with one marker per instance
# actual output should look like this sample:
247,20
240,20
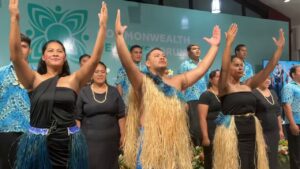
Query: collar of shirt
295,83
190,60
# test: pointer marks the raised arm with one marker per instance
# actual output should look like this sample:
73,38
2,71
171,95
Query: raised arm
263,74
187,79
84,74
24,73
133,73
230,37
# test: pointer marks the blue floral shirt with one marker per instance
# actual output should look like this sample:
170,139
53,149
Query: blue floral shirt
290,94
14,102
248,70
123,80
193,92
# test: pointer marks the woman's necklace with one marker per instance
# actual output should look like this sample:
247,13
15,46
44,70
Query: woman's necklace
215,95
98,101
272,102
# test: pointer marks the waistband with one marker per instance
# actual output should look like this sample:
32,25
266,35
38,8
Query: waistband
46,131
225,119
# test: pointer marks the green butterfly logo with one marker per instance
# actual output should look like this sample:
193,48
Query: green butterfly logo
65,26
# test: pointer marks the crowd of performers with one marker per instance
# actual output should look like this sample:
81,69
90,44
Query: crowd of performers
51,118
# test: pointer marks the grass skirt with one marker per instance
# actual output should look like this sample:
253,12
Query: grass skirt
33,152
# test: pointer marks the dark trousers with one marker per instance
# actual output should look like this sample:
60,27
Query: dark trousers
194,122
8,145
294,148
208,151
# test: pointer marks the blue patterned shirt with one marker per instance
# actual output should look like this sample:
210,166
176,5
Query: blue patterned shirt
123,80
14,102
193,92
248,70
290,94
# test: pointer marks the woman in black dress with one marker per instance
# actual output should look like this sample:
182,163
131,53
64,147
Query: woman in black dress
268,112
209,108
238,138
102,116
53,140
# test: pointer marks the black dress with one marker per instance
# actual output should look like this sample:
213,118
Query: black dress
241,103
52,109
100,126
214,108
267,113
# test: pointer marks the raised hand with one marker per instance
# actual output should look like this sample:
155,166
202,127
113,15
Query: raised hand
281,40
231,33
216,37
119,29
103,15
14,8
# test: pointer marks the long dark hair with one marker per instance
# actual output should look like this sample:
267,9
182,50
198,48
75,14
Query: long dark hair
42,67
212,74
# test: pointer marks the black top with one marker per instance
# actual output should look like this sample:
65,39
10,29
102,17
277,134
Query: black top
240,103
87,106
214,106
50,103
266,112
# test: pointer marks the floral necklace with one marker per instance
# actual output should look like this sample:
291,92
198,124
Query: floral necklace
165,88
96,100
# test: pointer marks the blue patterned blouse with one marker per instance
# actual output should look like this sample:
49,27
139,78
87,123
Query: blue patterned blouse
123,80
248,70
193,92
14,102
290,94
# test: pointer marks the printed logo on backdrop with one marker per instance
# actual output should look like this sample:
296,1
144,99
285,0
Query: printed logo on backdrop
66,26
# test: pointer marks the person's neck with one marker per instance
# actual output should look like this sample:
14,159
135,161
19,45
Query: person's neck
137,62
243,59
235,81
159,73
263,89
99,85
52,72
296,81
194,58
214,89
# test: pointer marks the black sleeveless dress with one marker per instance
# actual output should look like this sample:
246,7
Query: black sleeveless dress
51,120
241,103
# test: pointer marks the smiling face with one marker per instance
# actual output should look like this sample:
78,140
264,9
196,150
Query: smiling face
99,76
54,55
